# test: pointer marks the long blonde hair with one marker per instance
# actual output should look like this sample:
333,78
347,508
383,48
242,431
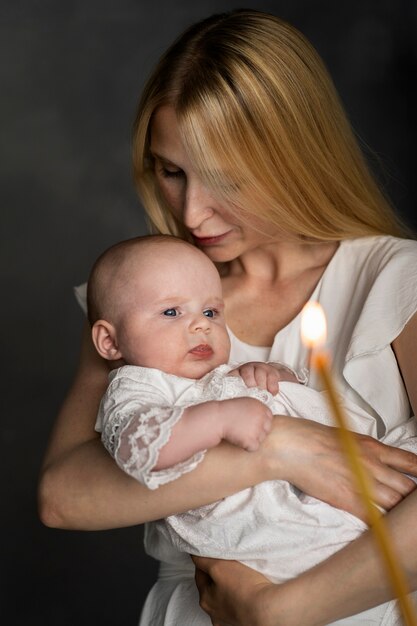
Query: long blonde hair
263,124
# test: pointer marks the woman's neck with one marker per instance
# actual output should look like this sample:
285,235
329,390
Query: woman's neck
266,288
281,262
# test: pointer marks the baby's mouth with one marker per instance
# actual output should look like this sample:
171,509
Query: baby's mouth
203,350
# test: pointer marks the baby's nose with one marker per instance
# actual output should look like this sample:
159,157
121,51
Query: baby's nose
200,323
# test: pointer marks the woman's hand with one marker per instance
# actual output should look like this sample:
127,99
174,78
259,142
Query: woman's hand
309,455
232,594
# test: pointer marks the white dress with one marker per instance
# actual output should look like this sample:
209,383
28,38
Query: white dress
271,527
368,292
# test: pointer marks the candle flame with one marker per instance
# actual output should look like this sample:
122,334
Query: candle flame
313,325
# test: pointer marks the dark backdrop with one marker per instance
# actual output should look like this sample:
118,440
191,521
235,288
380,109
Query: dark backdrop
71,73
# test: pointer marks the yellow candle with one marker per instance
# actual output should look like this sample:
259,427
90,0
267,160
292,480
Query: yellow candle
313,329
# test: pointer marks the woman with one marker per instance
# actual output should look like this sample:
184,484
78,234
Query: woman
242,147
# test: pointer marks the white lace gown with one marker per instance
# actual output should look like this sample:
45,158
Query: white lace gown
272,527
369,292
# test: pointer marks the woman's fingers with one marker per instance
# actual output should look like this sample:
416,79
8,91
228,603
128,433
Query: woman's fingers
202,579
308,453
401,460
385,466
206,588
382,463
230,592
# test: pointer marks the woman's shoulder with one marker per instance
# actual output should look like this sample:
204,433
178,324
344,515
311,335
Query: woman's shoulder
371,296
385,291
369,292
380,249
361,262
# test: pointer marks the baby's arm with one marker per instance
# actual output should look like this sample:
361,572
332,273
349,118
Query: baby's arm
147,433
244,422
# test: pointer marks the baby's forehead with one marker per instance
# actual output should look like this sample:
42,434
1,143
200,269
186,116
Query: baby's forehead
166,255
163,266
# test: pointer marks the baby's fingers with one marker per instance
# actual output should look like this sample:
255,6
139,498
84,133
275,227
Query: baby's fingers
254,443
272,383
266,377
247,372
261,378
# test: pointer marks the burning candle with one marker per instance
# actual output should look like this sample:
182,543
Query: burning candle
313,334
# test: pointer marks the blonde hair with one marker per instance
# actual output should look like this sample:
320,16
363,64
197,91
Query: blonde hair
262,122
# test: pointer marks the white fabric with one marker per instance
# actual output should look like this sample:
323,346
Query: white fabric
142,405
271,527
369,292
136,416
369,286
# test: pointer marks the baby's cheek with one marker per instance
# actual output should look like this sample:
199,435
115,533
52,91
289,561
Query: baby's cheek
224,348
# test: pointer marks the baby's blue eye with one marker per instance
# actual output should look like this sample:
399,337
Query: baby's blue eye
170,312
209,312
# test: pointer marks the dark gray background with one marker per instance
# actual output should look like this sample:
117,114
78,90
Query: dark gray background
71,73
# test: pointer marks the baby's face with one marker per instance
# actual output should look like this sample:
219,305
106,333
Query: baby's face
173,318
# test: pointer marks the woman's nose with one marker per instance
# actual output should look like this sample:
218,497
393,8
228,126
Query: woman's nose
198,205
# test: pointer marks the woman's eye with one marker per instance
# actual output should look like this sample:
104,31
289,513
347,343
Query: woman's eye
170,312
210,312
167,173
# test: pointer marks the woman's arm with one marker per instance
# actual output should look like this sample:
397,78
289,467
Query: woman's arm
82,488
352,575
405,347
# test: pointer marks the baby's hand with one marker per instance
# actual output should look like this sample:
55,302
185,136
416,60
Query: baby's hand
263,375
245,422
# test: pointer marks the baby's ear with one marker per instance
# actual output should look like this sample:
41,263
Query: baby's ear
104,338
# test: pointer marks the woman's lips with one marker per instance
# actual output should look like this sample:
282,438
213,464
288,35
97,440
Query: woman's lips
210,241
202,351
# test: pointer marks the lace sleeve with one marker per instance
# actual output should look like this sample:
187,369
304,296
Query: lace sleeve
136,417
137,444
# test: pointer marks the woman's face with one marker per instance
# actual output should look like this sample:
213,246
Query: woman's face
214,227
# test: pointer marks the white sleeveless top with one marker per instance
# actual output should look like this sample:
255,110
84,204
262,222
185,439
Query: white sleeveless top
369,293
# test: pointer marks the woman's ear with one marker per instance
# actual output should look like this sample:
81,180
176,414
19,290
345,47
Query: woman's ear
104,338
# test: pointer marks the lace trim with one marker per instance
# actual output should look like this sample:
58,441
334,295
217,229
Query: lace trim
135,441
301,376
110,431
221,386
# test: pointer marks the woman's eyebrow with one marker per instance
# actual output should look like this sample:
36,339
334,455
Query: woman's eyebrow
156,155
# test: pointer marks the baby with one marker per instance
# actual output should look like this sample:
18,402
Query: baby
156,304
